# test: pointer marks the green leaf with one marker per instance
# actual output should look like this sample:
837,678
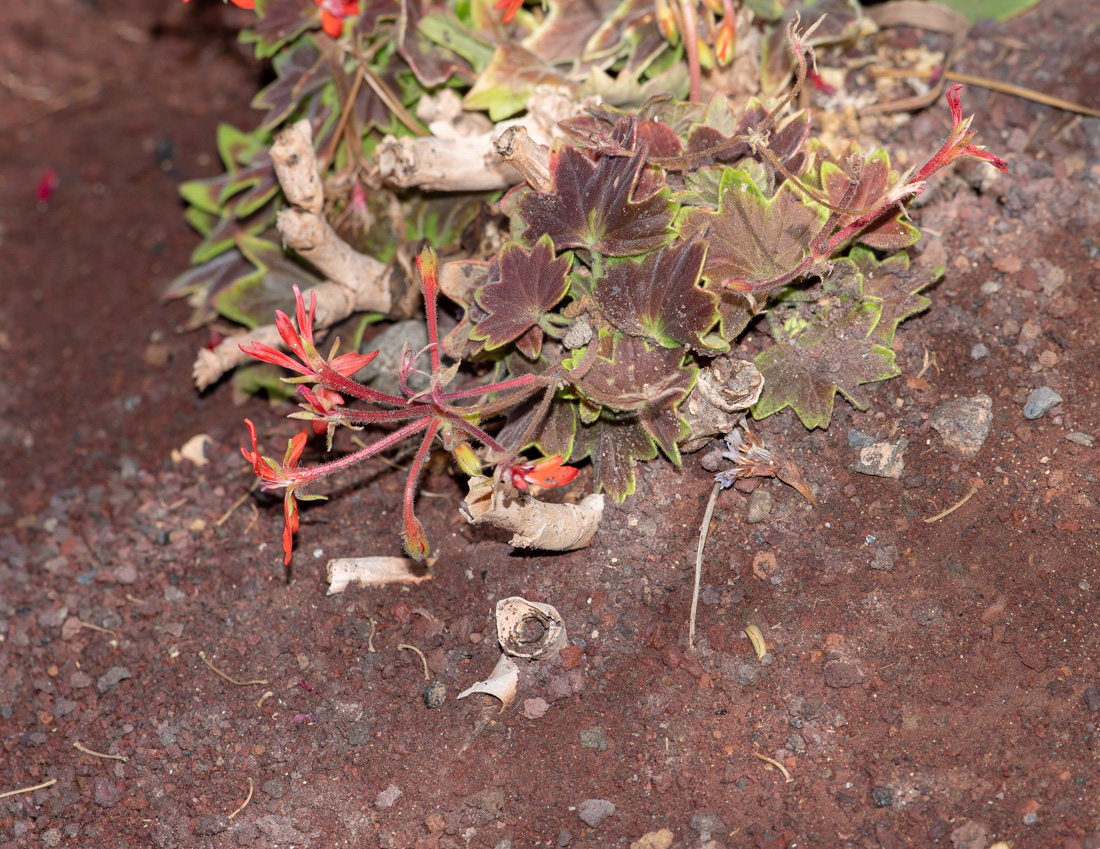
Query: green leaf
756,242
253,299
523,286
893,284
237,147
806,370
432,64
511,77
443,27
659,297
201,283
593,205
1001,10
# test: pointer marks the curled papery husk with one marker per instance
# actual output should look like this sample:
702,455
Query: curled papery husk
501,684
724,391
534,523
529,629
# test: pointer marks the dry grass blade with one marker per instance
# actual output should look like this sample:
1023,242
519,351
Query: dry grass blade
78,745
41,786
233,681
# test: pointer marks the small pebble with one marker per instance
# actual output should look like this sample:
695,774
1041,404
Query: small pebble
979,351
964,423
760,506
435,694
359,734
1040,402
882,797
387,797
1081,439
594,811
990,287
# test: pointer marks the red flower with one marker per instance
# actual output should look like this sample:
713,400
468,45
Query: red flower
275,475
244,4
509,7
958,144
547,472
300,342
333,13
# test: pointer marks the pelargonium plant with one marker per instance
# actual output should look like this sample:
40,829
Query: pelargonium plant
633,258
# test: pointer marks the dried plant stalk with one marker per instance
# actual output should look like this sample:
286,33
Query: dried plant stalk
550,527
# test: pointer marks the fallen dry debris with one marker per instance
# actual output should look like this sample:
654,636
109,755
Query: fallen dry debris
951,510
776,764
233,681
529,628
194,449
501,684
756,637
243,804
723,392
41,786
374,572
534,523
462,156
423,660
81,747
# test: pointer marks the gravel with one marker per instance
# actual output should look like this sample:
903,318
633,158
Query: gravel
594,811
1040,402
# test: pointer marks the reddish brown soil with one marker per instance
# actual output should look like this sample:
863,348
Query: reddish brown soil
946,702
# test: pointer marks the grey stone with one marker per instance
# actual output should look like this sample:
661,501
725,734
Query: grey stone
707,824
381,373
882,459
858,439
979,351
1040,402
435,694
964,423
359,734
1080,438
747,674
760,506
594,811
111,678
796,743
592,738
928,612
489,801
1092,698
274,788
51,837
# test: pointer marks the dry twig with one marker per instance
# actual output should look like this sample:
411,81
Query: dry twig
233,681
244,804
951,510
703,531
41,786
423,659
78,745
776,764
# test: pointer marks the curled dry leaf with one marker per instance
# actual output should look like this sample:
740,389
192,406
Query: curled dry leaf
756,637
375,571
529,629
501,684
536,524
194,449
723,392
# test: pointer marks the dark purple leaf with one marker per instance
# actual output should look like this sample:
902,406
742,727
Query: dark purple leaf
522,288
660,298
593,206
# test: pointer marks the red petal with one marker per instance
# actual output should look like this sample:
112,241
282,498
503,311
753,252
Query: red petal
349,364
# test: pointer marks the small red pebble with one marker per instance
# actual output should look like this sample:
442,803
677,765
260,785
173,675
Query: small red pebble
571,657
